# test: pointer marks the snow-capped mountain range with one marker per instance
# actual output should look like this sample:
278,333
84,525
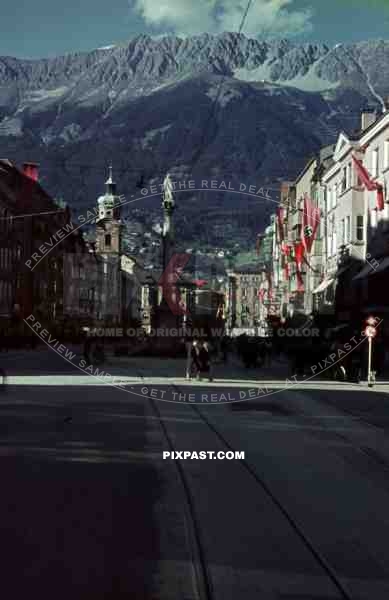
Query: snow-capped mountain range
212,106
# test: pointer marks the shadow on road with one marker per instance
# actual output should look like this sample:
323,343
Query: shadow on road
77,496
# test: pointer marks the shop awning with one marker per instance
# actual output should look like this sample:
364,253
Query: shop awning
323,286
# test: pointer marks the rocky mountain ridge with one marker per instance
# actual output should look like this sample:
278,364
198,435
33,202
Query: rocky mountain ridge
225,106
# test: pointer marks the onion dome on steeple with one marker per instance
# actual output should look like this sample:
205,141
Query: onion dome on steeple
109,204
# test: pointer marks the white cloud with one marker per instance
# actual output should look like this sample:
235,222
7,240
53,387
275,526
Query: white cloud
188,17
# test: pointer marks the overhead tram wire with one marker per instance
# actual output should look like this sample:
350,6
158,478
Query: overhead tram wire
209,118
216,98
129,169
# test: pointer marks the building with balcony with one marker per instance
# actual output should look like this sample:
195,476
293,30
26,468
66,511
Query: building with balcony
356,226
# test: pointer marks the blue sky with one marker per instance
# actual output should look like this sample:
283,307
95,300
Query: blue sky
41,28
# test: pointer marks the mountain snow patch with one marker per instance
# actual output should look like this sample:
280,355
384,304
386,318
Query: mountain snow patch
150,135
11,126
39,95
261,73
310,82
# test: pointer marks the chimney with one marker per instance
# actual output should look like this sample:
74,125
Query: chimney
31,170
368,117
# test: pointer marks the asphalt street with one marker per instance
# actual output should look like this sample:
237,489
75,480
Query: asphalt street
89,508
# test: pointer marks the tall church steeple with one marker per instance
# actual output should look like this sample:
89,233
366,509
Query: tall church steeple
110,184
108,224
168,206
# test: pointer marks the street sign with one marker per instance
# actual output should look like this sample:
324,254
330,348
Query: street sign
370,331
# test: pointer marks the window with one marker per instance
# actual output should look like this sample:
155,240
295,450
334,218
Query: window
343,231
334,195
348,229
374,163
329,198
108,240
349,175
329,238
334,240
359,228
344,179
386,154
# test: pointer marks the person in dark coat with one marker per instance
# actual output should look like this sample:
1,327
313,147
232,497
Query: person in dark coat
224,346
195,359
87,348
205,360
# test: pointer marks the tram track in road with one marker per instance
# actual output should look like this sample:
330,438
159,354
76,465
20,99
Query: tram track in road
319,558
202,571
366,450
356,415
202,580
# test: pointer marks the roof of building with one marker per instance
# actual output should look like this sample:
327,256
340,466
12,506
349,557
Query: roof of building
249,268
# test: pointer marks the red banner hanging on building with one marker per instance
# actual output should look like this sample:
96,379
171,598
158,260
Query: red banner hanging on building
311,219
369,184
299,251
261,294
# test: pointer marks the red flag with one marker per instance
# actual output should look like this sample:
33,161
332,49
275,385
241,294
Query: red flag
261,294
168,280
280,223
370,185
200,282
311,218
364,175
299,253
31,170
299,257
286,272
286,250
380,198
300,281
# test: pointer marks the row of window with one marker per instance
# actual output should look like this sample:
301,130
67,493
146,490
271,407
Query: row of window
375,159
6,221
348,177
338,236
336,189
6,295
8,256
245,291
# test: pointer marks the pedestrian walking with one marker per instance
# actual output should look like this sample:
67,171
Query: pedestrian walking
205,361
224,348
195,360
268,352
87,348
